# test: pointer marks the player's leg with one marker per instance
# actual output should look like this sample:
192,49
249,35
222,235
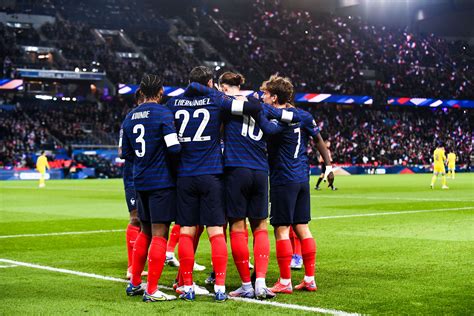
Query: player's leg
433,178
41,179
213,217
283,199
197,238
443,179
142,243
301,219
238,183
188,218
162,204
133,227
258,214
172,242
321,176
453,172
296,259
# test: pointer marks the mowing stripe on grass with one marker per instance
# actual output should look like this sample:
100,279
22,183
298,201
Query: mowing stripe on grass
397,212
64,233
246,300
362,197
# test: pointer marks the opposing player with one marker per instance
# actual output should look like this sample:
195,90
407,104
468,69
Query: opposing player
452,163
149,136
246,186
41,165
133,227
289,190
439,159
323,169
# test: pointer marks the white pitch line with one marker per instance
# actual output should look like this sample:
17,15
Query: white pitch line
64,233
246,300
396,213
9,266
386,198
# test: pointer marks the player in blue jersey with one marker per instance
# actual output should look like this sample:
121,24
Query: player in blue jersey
149,137
246,186
198,116
289,190
133,228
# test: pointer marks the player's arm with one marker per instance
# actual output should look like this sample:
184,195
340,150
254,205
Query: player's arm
323,151
288,115
169,133
268,127
125,148
230,105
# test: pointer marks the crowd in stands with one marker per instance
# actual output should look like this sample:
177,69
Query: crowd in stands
393,137
323,53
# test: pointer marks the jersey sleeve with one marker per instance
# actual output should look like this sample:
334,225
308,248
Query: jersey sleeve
269,127
169,132
309,125
290,115
124,143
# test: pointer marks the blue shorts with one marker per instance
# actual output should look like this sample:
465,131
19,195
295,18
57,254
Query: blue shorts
131,198
157,206
246,193
201,201
291,204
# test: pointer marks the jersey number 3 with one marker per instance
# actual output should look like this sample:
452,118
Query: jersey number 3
139,128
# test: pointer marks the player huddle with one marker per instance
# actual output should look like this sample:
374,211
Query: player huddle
206,159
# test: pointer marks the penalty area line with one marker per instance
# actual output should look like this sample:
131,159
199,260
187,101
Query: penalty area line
64,233
246,300
396,213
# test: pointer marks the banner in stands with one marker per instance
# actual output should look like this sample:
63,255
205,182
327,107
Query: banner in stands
10,84
351,170
61,74
433,103
53,174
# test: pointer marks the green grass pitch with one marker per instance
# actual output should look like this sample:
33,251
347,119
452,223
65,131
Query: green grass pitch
418,262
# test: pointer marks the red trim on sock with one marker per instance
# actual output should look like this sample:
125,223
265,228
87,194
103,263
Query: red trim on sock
186,258
131,235
240,253
308,245
156,262
173,239
284,253
261,252
219,257
140,251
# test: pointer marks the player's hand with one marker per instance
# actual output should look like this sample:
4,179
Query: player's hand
328,171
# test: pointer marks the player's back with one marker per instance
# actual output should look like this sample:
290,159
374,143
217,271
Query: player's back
145,127
308,129
284,156
439,156
198,120
245,144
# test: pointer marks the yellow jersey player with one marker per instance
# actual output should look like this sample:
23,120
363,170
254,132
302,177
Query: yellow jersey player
439,159
41,165
451,164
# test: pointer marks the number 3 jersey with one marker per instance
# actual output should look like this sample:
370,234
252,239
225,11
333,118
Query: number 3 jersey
147,134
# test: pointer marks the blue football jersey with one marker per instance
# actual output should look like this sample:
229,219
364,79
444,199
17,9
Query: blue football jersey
284,155
128,175
309,128
245,137
148,134
198,115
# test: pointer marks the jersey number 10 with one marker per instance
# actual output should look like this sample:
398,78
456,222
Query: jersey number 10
248,128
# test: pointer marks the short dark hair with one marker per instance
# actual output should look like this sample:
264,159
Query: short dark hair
151,85
201,74
42,152
138,95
